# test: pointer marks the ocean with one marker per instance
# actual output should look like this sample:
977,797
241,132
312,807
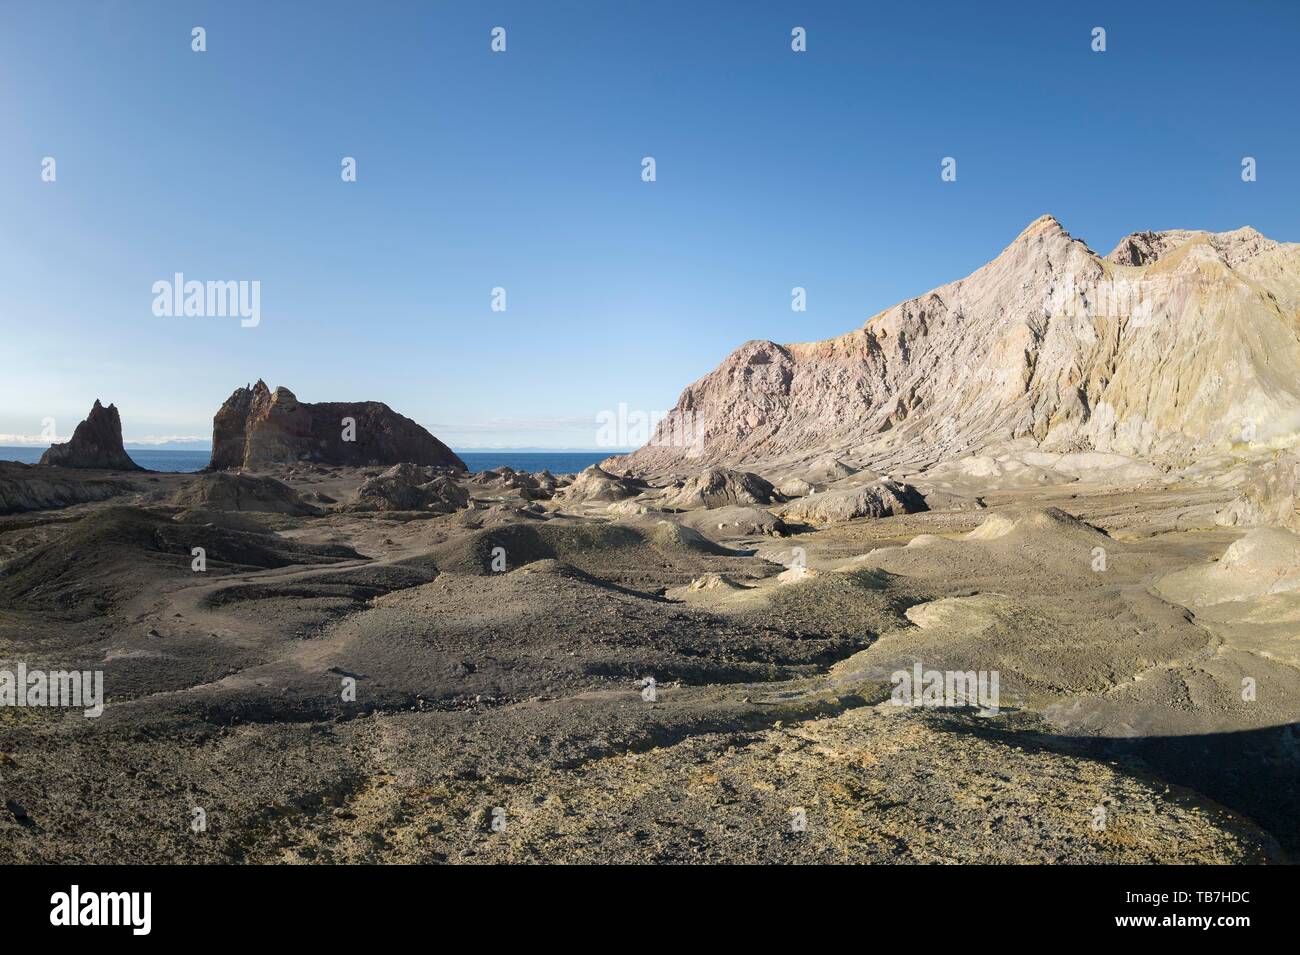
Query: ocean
557,462
150,460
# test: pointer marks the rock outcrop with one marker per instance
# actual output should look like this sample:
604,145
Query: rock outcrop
882,498
596,484
97,443
717,487
257,427
531,487
408,487
1177,344
1270,497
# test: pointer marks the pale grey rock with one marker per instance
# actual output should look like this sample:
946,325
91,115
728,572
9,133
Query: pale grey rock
882,498
595,484
1270,497
1189,351
717,487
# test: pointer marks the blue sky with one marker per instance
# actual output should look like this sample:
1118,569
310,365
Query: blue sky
523,170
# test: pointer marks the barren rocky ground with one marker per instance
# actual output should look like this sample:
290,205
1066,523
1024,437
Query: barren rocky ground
499,634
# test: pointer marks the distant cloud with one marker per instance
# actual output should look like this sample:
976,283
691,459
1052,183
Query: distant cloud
148,441
190,439
23,440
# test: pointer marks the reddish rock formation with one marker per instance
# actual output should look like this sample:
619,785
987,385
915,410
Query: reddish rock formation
97,443
257,427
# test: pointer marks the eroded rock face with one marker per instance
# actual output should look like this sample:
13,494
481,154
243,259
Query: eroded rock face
1271,497
1049,344
1143,248
97,443
257,427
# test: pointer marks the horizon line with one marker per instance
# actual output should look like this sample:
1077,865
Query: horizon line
516,449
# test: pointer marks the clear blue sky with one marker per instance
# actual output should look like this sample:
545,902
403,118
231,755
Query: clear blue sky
522,170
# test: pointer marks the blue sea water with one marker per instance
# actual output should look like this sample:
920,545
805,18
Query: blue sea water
152,460
557,462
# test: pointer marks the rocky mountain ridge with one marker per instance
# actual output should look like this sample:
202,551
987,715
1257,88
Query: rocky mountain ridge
1176,344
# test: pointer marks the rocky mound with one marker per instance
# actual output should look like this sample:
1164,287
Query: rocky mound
631,508
1049,343
670,535
27,488
257,427
651,557
524,543
498,514
713,582
718,487
1272,497
1017,541
219,491
795,487
97,443
530,487
595,484
407,487
882,498
936,500
825,470
1019,526
735,521
105,555
1265,561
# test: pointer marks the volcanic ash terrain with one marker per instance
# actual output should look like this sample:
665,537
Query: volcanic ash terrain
699,653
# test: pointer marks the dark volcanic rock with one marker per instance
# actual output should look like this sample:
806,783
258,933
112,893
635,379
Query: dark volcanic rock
103,558
24,487
97,443
257,427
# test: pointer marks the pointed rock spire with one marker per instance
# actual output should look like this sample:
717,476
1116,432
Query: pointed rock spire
97,443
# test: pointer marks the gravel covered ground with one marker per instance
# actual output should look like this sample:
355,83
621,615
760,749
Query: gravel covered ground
380,686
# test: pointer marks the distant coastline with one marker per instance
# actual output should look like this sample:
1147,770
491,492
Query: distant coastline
531,459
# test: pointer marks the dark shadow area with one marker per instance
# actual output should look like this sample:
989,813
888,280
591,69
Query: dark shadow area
1254,773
